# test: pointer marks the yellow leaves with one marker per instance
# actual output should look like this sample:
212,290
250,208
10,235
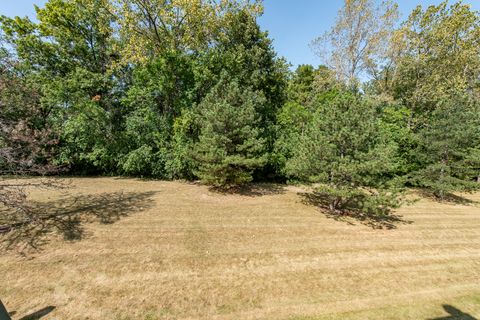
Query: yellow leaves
358,41
139,29
153,26
60,18
437,54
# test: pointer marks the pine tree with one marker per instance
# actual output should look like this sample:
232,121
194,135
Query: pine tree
229,148
448,148
344,153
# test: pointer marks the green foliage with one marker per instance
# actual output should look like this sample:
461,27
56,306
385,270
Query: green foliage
374,205
155,27
471,163
165,84
190,89
69,56
160,91
80,108
185,131
70,34
448,147
438,55
344,150
229,146
146,138
433,77
139,162
292,120
301,85
245,52
27,144
307,88
395,123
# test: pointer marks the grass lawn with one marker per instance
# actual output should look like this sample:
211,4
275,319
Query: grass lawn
131,249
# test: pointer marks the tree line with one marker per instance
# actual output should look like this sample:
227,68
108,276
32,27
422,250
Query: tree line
193,89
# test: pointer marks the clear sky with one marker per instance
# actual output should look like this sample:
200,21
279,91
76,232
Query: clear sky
292,24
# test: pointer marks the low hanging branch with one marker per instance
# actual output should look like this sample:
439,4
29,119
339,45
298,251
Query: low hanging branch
25,153
27,148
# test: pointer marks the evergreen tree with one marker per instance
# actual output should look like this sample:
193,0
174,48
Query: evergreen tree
449,148
291,122
394,122
345,154
229,147
301,84
307,88
246,53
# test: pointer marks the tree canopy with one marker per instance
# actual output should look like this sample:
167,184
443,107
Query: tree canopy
193,89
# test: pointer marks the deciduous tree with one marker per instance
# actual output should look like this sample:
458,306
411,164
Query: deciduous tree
357,42
438,56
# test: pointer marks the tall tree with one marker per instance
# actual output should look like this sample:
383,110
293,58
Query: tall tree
229,146
307,89
152,27
448,149
344,152
26,141
301,84
69,34
246,53
27,147
438,55
356,43
160,91
70,53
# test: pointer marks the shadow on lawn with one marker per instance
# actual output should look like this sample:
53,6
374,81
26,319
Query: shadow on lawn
252,190
449,198
454,314
67,216
352,212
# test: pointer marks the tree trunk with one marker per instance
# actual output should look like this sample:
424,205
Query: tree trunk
335,204
442,176
3,312
331,206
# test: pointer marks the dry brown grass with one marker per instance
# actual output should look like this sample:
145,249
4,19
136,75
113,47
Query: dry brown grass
171,250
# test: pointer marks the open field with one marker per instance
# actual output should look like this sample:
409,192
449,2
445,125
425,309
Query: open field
171,250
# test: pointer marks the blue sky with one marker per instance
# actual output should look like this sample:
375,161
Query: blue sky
292,24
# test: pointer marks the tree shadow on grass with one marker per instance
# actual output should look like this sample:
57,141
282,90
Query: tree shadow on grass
352,212
251,190
454,314
448,198
68,216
